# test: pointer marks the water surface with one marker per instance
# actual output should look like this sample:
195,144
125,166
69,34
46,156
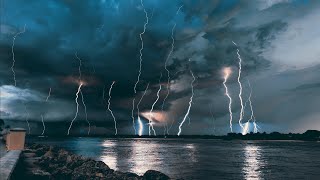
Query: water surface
202,159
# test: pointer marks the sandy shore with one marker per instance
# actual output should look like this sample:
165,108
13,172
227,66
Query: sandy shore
47,162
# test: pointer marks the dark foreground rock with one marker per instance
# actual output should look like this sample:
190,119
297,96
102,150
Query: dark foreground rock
47,162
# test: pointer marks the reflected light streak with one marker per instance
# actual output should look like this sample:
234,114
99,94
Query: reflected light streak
145,156
252,162
109,158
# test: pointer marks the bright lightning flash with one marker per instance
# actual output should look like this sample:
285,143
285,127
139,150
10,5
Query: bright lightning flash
140,126
240,86
245,129
109,103
152,107
190,104
81,83
226,74
139,120
77,109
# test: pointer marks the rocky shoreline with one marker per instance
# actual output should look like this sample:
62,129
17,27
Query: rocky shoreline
48,162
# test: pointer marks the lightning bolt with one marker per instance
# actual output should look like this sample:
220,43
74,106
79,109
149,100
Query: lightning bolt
171,123
252,117
240,85
13,55
142,45
114,119
80,64
227,72
190,104
85,111
44,127
152,107
49,94
27,117
77,94
132,116
77,109
245,128
140,126
166,64
139,120
213,120
179,9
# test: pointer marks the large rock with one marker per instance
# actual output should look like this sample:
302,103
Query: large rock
61,164
155,175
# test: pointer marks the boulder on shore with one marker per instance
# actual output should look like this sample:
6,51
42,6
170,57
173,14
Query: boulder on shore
56,163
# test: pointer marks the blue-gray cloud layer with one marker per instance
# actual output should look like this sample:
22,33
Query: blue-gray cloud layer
278,42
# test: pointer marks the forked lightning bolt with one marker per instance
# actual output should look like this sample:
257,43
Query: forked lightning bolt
190,104
139,120
142,45
227,72
152,107
240,86
109,103
13,55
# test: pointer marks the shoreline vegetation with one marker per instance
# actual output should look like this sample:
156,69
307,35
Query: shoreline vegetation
44,162
309,135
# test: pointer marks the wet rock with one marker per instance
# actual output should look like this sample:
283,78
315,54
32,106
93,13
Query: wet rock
154,175
61,164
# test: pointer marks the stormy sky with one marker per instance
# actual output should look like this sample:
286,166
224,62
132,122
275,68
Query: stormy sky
278,41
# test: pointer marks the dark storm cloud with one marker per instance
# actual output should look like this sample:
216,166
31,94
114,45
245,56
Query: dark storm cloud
105,35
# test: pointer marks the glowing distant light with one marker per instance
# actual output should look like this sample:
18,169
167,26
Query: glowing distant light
245,129
227,71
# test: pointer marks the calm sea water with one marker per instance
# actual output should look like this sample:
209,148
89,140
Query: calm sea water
202,159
